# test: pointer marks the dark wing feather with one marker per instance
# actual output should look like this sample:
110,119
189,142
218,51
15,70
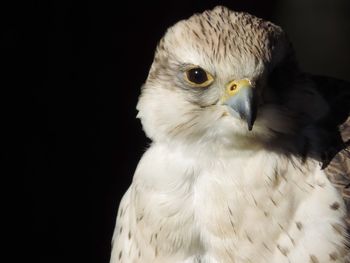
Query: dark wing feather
337,93
337,156
338,170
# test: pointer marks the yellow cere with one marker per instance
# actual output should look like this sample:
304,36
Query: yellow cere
234,86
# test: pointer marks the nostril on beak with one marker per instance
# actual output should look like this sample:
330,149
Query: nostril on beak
233,87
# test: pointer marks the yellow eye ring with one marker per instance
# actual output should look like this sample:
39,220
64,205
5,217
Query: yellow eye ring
198,78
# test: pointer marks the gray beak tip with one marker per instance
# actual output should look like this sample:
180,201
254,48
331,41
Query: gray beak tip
251,119
245,104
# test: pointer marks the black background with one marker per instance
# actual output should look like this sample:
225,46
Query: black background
73,75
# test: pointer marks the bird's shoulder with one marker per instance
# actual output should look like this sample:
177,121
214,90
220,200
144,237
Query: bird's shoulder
337,124
338,170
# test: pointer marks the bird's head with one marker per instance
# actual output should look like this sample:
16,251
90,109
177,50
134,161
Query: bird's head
210,79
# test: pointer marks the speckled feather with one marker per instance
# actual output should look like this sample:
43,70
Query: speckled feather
208,190
338,170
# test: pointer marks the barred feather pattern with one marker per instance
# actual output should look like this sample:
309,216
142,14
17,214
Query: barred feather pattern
338,171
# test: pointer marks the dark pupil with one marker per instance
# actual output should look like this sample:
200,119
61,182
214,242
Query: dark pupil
197,75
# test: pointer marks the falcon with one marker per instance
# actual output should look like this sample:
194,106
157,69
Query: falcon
248,162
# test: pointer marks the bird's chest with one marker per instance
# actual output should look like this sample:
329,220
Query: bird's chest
229,209
242,208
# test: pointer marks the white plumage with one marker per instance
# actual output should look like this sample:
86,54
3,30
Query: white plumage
208,189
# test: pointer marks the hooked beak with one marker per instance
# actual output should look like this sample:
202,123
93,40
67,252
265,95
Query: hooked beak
240,96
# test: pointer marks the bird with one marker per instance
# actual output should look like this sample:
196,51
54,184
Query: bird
249,155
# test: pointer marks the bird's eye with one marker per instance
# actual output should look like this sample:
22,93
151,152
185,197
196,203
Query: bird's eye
198,77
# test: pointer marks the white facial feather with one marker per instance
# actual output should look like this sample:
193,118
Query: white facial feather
230,46
208,190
